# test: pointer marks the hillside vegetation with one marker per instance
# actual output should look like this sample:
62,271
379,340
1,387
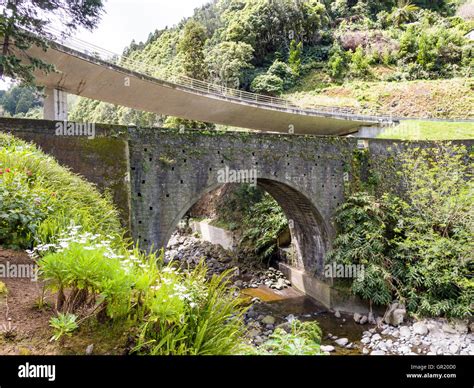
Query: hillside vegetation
380,57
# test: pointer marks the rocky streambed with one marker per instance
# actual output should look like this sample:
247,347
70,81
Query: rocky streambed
274,303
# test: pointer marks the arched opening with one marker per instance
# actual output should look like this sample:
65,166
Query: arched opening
302,245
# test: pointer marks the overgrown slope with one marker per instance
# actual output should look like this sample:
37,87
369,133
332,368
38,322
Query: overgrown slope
275,47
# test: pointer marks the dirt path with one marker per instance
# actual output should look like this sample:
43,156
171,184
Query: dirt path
19,309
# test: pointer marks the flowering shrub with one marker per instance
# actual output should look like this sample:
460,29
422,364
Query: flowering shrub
176,312
86,273
39,198
22,208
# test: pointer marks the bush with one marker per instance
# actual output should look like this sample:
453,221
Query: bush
40,198
338,62
267,84
416,244
263,223
173,312
303,338
283,71
185,315
362,240
22,208
359,66
86,274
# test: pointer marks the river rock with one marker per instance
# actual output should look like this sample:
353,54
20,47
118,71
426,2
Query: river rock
454,348
327,348
258,340
89,349
357,317
376,337
365,340
363,320
404,349
377,353
371,318
405,332
342,342
253,333
337,314
268,320
461,327
395,314
239,283
420,328
447,328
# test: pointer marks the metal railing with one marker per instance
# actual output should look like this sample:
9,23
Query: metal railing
214,89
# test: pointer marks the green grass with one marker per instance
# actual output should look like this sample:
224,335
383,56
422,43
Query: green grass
430,130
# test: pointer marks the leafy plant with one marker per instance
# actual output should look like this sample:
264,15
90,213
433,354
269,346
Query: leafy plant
3,289
303,338
87,275
40,199
63,325
22,208
415,241
263,223
187,315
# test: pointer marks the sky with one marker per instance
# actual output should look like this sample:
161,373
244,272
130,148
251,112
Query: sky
125,20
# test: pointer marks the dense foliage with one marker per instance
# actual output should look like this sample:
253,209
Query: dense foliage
84,261
270,47
256,215
39,198
19,100
20,18
415,241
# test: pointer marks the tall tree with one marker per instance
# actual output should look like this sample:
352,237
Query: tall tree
294,59
19,100
226,62
191,50
24,23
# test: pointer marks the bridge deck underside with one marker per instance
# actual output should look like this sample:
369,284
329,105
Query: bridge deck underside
86,76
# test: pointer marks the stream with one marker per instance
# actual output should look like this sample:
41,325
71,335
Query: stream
274,301
287,304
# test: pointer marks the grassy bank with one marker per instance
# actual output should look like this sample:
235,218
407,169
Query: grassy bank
430,130
441,99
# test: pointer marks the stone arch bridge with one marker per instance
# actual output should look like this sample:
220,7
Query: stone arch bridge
156,176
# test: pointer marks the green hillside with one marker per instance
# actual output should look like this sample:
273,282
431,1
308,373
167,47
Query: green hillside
410,59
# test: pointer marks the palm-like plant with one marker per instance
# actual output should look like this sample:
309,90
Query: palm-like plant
404,13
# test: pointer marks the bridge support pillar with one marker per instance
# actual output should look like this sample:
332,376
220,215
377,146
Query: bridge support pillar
55,105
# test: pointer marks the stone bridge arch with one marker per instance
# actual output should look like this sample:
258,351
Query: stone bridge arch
171,171
308,228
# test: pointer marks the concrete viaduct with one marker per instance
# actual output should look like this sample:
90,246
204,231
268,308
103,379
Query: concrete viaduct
86,70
